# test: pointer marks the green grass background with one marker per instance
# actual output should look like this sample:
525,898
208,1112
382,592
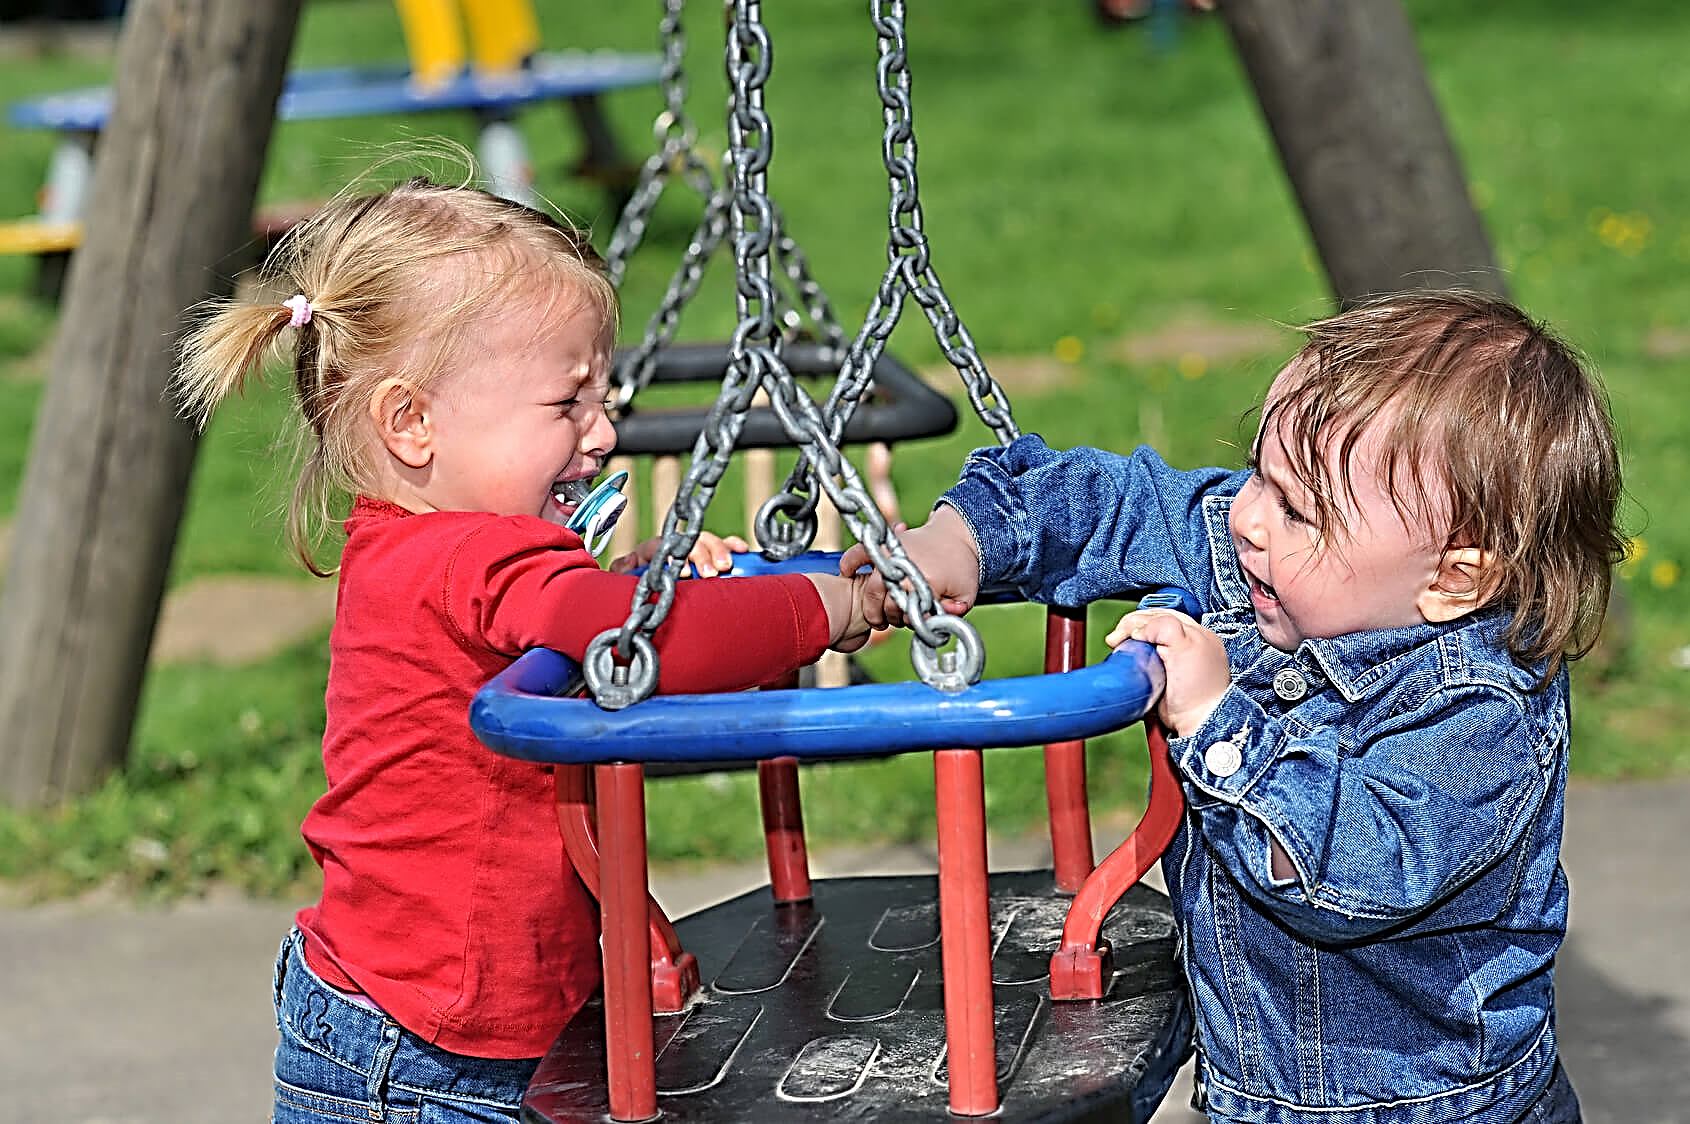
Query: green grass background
1082,189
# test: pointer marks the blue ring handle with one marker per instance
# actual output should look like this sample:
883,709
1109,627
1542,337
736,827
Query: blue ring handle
524,711
519,714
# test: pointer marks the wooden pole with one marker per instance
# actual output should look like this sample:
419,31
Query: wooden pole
1364,145
174,181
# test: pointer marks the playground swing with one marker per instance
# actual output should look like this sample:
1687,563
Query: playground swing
812,341
842,972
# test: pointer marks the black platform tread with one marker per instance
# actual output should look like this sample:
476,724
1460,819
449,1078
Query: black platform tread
833,1009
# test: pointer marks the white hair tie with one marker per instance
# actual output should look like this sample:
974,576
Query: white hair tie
301,309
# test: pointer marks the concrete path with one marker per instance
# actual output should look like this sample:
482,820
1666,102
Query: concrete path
112,1014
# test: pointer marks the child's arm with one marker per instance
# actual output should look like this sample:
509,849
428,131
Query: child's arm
1069,527
943,549
843,599
710,555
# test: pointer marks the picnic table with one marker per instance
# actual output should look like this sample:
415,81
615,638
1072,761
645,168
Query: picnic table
575,78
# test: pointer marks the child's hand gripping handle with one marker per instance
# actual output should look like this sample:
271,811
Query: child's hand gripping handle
1083,966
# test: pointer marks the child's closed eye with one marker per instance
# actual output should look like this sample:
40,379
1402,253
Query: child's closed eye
591,394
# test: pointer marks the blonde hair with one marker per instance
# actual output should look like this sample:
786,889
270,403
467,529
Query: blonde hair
1491,407
396,281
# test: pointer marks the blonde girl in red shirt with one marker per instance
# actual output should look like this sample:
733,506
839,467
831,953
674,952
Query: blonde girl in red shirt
451,356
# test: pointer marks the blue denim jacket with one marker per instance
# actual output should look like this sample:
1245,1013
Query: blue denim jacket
1413,777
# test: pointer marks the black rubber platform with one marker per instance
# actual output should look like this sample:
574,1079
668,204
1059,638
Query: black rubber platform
833,1010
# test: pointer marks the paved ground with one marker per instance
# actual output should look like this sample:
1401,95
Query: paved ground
111,1014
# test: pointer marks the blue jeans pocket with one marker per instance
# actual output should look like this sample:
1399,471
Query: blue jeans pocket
337,1061
301,1106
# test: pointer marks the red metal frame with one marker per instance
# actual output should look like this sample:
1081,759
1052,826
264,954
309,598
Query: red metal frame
645,968
965,930
630,1057
1065,762
674,972
1081,967
783,829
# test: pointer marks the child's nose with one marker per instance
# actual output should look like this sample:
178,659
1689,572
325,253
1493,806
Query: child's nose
1247,515
600,436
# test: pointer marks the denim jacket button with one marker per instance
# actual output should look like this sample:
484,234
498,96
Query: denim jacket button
1289,684
1223,759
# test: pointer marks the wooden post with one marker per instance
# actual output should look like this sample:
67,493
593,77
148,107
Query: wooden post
1364,145
172,198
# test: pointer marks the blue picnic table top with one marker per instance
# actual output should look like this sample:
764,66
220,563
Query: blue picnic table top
363,91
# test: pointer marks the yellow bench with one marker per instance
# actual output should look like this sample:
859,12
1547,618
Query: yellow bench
38,236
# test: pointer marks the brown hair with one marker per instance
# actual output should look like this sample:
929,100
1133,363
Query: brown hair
1489,406
397,281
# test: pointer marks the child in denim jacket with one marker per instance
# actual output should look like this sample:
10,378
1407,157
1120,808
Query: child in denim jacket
1370,719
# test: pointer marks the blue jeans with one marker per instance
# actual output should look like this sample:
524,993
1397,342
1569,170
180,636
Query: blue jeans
1558,1105
338,1061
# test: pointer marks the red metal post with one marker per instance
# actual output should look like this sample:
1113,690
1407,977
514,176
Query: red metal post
783,829
629,1055
674,971
965,930
1065,762
1081,967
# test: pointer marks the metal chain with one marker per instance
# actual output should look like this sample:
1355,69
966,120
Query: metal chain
755,361
907,248
676,154
677,151
635,371
910,271
806,292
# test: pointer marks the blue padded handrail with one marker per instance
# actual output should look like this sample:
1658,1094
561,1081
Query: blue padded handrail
533,710
519,713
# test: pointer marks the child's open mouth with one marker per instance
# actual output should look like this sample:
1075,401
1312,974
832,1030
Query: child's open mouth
568,494
1259,588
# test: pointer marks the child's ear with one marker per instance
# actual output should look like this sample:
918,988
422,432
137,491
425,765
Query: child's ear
401,414
1463,582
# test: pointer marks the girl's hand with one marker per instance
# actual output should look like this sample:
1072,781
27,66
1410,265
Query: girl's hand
856,631
710,555
842,598
1194,658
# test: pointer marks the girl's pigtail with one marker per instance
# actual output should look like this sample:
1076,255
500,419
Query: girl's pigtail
224,349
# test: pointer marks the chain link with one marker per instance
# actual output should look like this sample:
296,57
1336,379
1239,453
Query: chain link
909,271
907,248
677,154
755,362
676,149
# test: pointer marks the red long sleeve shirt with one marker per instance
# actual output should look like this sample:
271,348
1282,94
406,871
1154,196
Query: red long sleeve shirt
447,899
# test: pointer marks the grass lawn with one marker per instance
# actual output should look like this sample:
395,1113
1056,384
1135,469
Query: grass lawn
1111,222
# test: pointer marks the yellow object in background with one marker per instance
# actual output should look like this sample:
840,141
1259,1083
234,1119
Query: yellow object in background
433,38
503,34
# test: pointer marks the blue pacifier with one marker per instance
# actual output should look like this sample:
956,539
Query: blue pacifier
596,514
